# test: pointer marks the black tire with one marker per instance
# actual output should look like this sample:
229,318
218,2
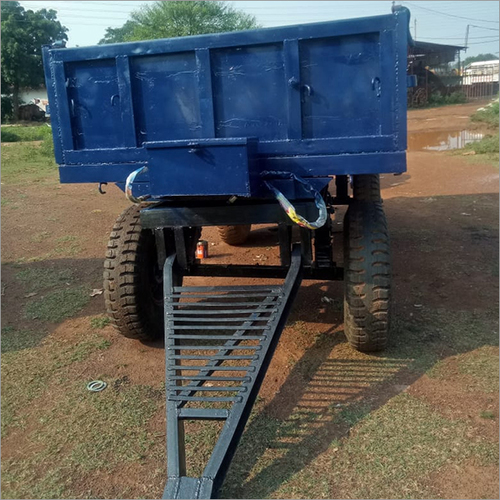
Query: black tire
366,187
132,280
367,279
234,235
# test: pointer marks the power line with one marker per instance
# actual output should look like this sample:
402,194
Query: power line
488,41
450,15
484,28
457,38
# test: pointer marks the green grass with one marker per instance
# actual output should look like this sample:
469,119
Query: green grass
67,246
36,279
483,366
390,454
487,145
24,163
77,432
297,457
99,322
84,433
27,374
479,369
26,133
58,305
349,450
487,414
488,115
14,339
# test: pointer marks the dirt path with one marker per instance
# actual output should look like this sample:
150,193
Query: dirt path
319,398
444,118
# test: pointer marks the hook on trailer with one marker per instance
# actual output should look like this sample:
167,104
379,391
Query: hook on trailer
101,184
128,186
290,209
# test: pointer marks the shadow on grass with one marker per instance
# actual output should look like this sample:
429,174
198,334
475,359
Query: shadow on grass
331,388
326,394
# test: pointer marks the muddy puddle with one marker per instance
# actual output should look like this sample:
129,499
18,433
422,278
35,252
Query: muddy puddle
441,140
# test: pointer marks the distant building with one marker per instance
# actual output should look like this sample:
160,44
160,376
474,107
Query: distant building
481,72
435,66
480,79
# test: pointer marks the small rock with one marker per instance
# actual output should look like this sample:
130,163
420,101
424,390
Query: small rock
96,291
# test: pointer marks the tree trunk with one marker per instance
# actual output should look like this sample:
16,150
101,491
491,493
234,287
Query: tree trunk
15,103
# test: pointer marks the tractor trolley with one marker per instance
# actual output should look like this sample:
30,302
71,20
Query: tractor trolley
268,126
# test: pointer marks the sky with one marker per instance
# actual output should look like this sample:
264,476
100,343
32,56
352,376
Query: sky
436,21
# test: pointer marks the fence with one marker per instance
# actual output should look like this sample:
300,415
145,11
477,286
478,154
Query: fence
480,81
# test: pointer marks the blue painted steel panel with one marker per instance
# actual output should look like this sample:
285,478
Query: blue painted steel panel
94,101
166,99
251,92
319,100
342,101
186,168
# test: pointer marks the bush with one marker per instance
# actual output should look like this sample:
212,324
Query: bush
444,100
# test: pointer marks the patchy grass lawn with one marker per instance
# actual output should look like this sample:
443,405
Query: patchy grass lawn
487,149
373,448
36,132
58,305
28,162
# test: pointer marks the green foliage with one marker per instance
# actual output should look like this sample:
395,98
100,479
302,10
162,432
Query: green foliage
437,99
486,145
479,57
7,108
29,133
179,18
24,32
488,115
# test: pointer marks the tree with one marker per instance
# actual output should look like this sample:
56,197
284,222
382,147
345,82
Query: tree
180,18
23,34
480,57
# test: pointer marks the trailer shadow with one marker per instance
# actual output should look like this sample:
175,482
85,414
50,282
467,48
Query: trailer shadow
451,244
324,396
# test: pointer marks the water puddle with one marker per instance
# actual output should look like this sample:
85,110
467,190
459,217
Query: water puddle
441,140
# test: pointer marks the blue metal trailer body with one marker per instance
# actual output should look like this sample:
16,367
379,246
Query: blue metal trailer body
207,115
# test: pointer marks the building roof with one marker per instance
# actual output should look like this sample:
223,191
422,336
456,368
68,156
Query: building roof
434,54
484,63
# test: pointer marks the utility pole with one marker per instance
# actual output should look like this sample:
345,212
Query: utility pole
415,28
466,37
